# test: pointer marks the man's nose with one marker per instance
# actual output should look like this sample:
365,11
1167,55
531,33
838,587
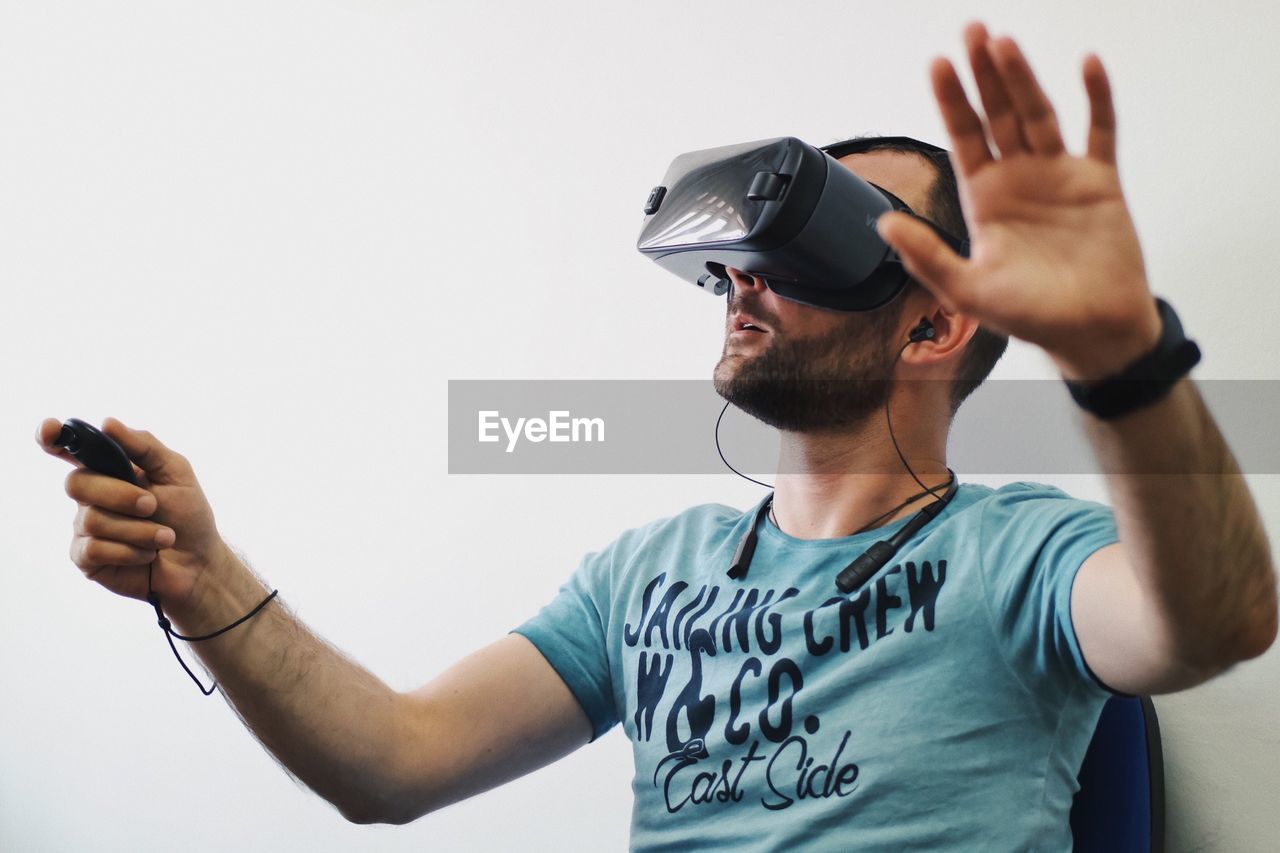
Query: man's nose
744,281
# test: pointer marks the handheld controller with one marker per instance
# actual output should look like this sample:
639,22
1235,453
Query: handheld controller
96,450
99,452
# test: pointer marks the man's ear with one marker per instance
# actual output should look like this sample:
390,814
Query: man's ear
951,331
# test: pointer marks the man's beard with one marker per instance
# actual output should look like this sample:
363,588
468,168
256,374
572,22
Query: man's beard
828,383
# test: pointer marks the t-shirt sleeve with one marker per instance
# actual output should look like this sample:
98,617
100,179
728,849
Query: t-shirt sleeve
570,633
1034,539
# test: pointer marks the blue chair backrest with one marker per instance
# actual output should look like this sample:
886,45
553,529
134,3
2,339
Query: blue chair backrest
1120,805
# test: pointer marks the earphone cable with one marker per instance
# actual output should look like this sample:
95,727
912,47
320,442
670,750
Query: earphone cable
889,422
726,461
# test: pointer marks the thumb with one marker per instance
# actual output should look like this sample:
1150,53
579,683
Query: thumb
161,465
47,435
927,259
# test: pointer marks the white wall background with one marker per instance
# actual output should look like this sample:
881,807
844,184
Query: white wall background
270,232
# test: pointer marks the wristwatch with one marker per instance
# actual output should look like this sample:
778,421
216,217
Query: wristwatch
1144,381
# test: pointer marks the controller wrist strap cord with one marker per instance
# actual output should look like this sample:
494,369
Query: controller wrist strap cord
169,633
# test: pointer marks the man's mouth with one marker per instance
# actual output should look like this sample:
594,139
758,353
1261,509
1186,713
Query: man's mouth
745,323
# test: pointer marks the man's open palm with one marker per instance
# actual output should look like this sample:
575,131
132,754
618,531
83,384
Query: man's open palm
1055,258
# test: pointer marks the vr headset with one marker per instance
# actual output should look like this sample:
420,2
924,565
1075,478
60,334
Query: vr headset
784,211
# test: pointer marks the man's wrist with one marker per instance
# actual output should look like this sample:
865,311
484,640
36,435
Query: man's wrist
225,591
1115,353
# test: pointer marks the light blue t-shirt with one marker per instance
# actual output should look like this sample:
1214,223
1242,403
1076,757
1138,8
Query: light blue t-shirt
944,706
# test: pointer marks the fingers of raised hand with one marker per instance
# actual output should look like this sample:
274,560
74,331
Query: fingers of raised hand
93,489
1019,115
968,137
99,523
1038,121
1002,118
1102,114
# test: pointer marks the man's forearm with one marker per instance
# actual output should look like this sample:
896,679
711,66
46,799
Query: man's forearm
329,721
1190,526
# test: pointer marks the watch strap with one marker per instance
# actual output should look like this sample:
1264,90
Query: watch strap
1144,381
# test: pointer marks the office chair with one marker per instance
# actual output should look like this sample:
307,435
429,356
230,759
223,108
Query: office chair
1120,805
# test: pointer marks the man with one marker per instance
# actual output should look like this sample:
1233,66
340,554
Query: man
945,704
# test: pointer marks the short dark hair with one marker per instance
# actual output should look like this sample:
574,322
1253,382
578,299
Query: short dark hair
985,347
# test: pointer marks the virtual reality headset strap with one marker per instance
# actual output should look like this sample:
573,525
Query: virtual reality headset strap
836,150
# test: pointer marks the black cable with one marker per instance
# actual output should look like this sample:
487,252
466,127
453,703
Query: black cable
917,496
872,523
889,422
165,625
726,461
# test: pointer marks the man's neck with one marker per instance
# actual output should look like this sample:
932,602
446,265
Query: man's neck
832,484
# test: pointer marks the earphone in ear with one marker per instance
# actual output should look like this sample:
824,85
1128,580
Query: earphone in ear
922,332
